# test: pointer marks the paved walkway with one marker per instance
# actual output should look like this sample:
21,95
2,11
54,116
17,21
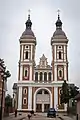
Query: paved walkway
20,116
65,117
60,115
39,116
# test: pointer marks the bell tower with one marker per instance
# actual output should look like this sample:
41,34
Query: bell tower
59,43
59,53
26,67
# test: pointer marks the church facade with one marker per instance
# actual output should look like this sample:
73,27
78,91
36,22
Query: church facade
39,85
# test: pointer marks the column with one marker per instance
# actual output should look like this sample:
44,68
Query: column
21,72
42,107
38,76
43,77
22,53
31,52
55,53
20,98
47,77
55,97
30,73
64,53
29,98
65,73
55,73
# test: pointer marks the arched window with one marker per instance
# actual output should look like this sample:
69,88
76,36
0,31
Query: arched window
41,76
59,54
24,101
26,55
60,73
36,76
26,73
45,76
25,91
49,76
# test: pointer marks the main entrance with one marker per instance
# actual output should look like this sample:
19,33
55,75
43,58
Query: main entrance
42,100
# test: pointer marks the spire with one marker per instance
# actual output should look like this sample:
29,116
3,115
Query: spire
28,23
58,22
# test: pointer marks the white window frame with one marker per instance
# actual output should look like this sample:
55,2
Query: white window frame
62,73
27,72
23,101
24,90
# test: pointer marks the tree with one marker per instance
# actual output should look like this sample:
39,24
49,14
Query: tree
68,91
4,75
64,93
74,90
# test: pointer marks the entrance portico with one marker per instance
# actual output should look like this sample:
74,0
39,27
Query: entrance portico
42,99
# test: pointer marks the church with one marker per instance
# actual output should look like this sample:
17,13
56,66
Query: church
39,85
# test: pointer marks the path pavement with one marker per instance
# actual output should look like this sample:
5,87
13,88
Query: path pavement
65,117
20,116
38,116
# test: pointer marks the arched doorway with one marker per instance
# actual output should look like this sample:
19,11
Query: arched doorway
42,100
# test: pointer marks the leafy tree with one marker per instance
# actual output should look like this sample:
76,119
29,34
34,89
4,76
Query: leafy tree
68,92
74,90
65,93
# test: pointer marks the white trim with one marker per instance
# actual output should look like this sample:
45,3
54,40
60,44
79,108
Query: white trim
55,97
20,98
30,75
65,53
65,73
29,98
21,53
55,73
34,105
21,69
55,52
31,52
27,43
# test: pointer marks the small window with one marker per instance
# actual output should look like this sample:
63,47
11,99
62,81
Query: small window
26,72
45,76
41,75
49,76
26,46
60,47
59,54
25,91
26,55
36,76
24,101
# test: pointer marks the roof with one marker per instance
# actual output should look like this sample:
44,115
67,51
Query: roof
58,33
28,33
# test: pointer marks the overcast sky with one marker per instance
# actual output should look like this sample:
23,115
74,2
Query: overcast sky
13,15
